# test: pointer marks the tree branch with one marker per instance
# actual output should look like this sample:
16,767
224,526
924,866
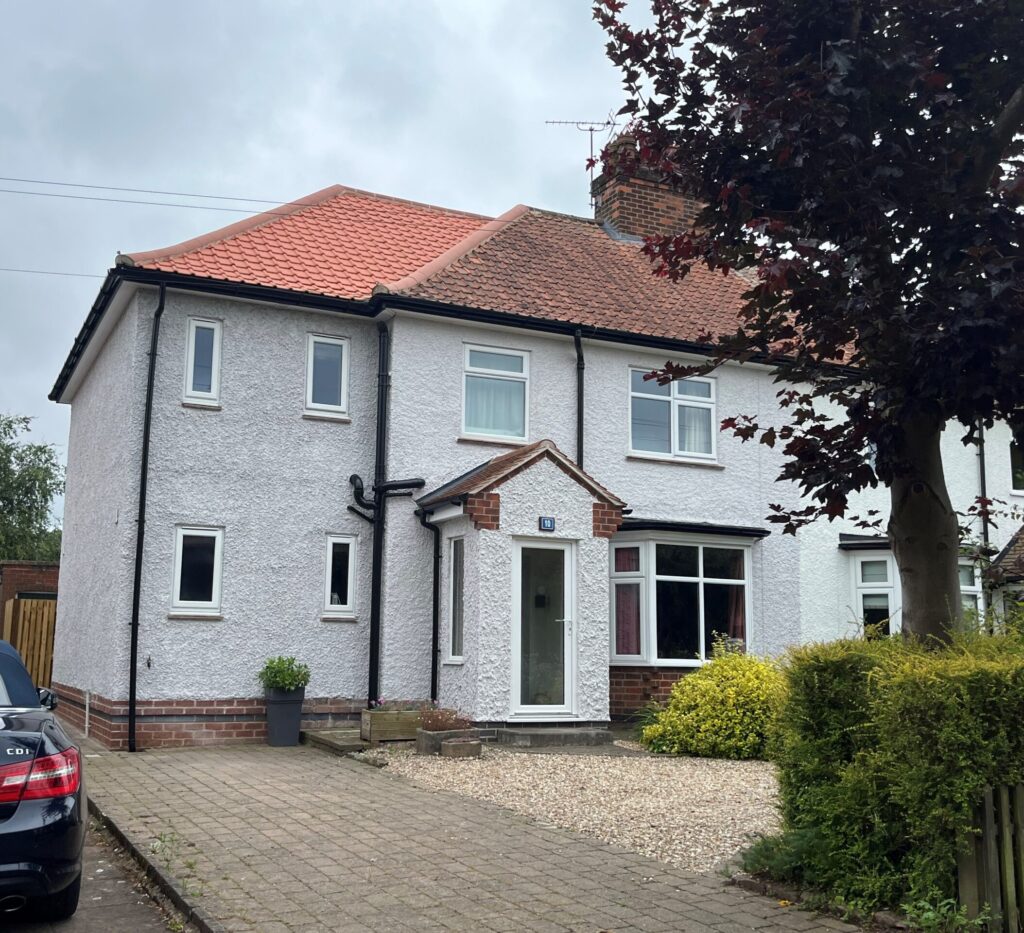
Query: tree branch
1007,125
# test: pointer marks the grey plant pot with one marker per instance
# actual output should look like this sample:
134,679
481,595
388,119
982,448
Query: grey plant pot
284,716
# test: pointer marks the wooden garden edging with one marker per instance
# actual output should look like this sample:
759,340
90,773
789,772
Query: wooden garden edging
29,625
991,869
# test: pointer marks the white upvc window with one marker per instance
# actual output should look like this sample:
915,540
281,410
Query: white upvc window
675,420
456,599
877,592
198,552
673,596
327,373
202,362
1016,467
495,393
971,593
340,577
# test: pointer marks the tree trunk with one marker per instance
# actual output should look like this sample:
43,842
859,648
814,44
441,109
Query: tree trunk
925,535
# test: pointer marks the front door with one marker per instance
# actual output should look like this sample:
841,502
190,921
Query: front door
542,644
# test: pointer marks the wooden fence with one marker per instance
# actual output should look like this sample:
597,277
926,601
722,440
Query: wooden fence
991,871
29,625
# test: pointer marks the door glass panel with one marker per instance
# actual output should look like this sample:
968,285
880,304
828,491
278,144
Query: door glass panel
542,631
678,620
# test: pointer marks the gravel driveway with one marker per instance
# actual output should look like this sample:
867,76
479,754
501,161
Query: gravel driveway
695,813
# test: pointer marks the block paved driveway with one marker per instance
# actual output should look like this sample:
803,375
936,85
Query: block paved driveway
269,839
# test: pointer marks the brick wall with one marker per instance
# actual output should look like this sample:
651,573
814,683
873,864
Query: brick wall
631,688
19,576
640,204
607,519
176,723
485,510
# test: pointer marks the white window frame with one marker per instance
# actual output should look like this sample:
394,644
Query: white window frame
976,589
348,610
675,401
190,395
524,377
450,656
344,343
196,607
890,588
1016,490
649,578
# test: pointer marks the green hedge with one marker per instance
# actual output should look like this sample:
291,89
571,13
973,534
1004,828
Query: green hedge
884,749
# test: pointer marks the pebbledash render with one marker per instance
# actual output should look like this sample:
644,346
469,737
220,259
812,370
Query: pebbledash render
414,448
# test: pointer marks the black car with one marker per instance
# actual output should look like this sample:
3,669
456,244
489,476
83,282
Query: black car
42,799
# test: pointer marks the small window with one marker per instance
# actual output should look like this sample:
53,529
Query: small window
327,374
197,568
970,588
202,361
1016,467
339,593
458,599
627,596
495,393
675,420
876,594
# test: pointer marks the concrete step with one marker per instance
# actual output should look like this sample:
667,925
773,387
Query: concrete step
541,737
337,741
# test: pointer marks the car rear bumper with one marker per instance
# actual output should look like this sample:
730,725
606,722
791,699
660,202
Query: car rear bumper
41,846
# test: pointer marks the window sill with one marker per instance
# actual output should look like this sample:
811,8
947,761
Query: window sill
340,417
638,662
1017,492
453,662
200,403
677,461
328,617
483,439
195,615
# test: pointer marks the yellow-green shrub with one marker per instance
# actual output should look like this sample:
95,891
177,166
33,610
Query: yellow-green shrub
724,709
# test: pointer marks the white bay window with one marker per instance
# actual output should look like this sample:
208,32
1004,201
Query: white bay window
673,598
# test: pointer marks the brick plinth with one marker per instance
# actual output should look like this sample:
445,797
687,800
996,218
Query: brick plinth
177,723
631,688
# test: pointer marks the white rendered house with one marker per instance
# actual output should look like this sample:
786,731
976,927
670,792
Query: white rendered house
414,448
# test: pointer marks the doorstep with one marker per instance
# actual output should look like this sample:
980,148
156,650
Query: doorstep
335,741
548,736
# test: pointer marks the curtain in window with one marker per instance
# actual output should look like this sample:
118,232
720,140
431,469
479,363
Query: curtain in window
694,430
627,618
495,406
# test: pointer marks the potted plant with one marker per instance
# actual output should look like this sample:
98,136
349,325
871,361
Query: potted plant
438,725
284,681
389,721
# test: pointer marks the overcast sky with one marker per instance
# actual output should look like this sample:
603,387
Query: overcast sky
441,101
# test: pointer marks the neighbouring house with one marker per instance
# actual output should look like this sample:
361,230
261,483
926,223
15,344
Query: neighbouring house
414,447
27,579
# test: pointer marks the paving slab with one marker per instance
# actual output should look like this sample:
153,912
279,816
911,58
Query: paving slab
300,840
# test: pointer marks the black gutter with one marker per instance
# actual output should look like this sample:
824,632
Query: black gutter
140,530
581,365
736,531
435,626
379,506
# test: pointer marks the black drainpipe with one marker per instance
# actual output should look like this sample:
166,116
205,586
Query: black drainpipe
983,484
577,339
379,505
435,627
140,532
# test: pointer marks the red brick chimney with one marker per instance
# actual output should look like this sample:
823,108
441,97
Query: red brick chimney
634,200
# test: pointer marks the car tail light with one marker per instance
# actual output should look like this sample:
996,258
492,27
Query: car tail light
51,776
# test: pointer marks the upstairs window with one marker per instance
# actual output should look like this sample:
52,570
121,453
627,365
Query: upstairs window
675,420
495,393
202,361
327,374
1016,467
339,592
197,569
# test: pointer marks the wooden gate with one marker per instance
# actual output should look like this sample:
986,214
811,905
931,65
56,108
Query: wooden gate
29,625
991,871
